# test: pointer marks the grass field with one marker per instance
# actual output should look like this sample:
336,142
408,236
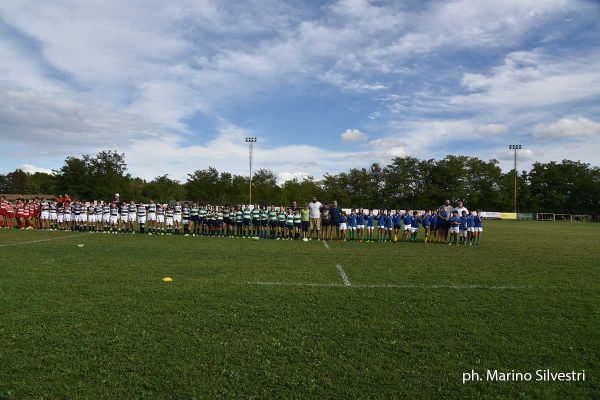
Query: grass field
271,319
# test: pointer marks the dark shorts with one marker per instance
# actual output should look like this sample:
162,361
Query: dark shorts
255,222
239,224
202,220
246,222
305,226
263,222
325,222
289,226
335,222
397,226
281,224
273,224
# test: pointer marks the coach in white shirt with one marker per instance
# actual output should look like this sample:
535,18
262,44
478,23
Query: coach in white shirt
461,208
315,216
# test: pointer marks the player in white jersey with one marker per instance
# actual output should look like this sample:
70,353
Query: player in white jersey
60,216
67,216
151,218
53,215
132,208
105,217
84,215
114,218
124,224
45,214
169,218
91,210
98,211
177,214
141,217
185,213
77,214
160,218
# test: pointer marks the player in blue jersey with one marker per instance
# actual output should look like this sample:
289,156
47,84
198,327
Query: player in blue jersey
352,224
463,228
442,225
343,225
414,226
454,227
370,225
381,224
389,225
471,227
425,222
407,220
397,224
360,224
478,220
433,226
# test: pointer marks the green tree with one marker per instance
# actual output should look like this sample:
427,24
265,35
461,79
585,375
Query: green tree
164,189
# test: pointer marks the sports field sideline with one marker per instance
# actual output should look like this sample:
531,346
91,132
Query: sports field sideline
246,318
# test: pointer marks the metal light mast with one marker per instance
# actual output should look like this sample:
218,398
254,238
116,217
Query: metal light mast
515,147
250,141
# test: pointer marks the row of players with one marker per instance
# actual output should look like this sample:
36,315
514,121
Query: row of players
242,221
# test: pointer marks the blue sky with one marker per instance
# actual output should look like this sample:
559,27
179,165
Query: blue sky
325,86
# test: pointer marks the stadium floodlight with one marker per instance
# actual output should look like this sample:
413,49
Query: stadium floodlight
250,141
515,147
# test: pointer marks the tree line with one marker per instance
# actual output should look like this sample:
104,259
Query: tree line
559,187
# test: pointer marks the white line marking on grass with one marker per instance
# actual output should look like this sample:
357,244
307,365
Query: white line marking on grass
42,240
392,286
295,284
434,286
326,245
343,275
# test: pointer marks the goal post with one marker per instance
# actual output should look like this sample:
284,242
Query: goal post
544,217
582,217
563,217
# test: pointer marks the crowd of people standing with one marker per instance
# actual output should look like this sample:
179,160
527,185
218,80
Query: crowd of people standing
314,220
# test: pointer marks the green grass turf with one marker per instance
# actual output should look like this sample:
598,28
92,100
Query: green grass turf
99,322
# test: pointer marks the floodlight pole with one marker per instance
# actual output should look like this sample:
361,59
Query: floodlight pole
515,147
250,141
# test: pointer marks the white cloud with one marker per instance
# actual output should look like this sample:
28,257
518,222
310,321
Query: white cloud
491,129
567,128
353,135
531,79
130,76
32,169
283,177
523,155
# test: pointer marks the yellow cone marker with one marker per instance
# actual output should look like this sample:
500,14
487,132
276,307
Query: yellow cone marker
167,279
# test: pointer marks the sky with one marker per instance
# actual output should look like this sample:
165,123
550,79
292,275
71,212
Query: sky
324,86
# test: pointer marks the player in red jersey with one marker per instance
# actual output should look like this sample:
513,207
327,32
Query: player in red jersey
10,214
20,214
3,216
27,212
